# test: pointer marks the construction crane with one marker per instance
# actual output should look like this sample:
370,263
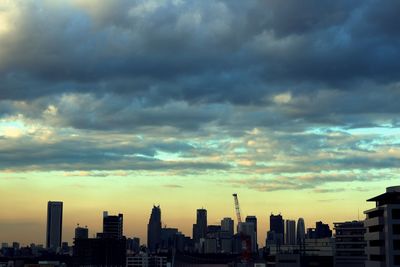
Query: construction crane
237,208
245,239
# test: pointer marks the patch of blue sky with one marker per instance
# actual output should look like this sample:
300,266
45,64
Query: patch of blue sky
166,156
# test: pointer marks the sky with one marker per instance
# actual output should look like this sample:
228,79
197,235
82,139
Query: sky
119,105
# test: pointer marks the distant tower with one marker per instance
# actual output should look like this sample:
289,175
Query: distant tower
112,225
290,233
301,231
201,222
253,220
276,225
54,224
227,225
154,230
81,232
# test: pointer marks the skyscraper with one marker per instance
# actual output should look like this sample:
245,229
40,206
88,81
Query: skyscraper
300,231
290,233
112,225
201,223
54,224
253,220
276,224
227,225
154,230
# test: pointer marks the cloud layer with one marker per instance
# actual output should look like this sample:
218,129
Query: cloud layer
276,91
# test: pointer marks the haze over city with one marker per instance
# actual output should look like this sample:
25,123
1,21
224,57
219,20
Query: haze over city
119,105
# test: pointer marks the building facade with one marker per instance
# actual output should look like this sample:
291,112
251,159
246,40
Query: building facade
154,230
290,232
382,225
54,224
253,220
350,244
113,225
300,231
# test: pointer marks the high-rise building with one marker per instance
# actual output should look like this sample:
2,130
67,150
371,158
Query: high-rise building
54,224
290,232
201,222
227,225
247,229
383,229
112,225
253,220
300,231
154,230
81,232
322,230
276,225
350,244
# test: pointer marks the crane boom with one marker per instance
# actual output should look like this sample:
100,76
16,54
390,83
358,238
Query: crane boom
237,208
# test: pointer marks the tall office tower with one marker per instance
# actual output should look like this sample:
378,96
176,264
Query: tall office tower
248,229
154,230
253,220
276,224
112,225
227,225
383,229
201,223
54,224
290,232
350,244
81,232
300,231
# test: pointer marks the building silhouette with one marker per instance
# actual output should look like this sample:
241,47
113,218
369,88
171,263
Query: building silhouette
81,232
300,231
290,232
350,244
227,225
107,249
201,222
322,230
254,243
112,225
54,224
383,229
277,229
154,230
101,251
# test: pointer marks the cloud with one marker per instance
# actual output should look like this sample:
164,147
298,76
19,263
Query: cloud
245,87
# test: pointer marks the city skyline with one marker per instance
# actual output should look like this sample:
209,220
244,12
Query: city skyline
99,225
122,105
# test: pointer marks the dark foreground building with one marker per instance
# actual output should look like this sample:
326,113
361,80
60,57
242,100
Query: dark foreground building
350,244
100,252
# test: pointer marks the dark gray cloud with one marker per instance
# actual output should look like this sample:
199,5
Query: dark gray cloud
101,154
260,87
209,51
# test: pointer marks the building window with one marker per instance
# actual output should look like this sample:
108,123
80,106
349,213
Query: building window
396,260
377,257
377,228
377,243
396,214
396,244
376,213
396,229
